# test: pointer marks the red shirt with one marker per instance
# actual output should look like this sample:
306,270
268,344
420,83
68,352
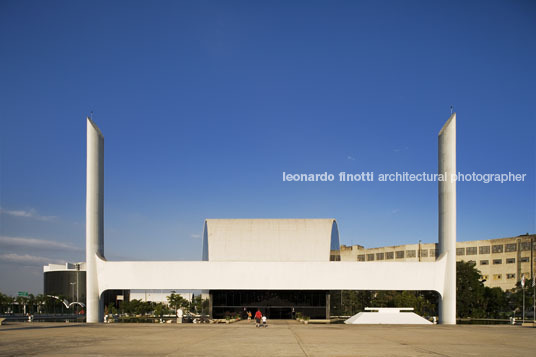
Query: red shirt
258,315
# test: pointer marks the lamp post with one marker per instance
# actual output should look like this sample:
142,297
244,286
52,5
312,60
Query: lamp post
74,298
523,287
77,275
533,299
533,273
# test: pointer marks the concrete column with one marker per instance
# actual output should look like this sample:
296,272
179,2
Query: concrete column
447,218
328,305
210,305
94,220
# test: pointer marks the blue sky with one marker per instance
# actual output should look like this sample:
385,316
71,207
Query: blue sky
203,105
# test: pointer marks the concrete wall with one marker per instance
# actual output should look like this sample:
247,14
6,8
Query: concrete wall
276,240
199,275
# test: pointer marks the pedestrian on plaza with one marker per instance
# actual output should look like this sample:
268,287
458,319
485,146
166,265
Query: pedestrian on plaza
180,313
258,317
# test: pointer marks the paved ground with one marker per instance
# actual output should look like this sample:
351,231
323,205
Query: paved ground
281,338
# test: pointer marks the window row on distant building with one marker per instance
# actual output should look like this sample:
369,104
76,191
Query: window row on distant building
495,248
500,276
508,261
399,254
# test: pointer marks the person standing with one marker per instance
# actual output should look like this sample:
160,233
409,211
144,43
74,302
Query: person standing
264,324
179,316
258,317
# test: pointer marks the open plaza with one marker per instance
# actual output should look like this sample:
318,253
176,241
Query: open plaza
281,338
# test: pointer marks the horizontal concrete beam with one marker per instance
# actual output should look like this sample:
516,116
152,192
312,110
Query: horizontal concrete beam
206,275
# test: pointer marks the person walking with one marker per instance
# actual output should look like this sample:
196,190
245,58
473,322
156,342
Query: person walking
258,317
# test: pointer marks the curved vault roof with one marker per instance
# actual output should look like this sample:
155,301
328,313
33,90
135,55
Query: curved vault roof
292,240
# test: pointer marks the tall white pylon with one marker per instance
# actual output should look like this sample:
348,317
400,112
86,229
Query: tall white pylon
94,220
447,217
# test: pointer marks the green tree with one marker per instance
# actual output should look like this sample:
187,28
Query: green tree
199,305
40,302
2,303
161,309
31,302
145,307
515,298
470,292
384,298
136,307
5,302
124,307
355,301
349,302
21,304
496,303
176,301
111,309
424,303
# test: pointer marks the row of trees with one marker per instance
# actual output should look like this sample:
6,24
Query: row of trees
139,307
175,301
347,303
33,304
42,304
473,299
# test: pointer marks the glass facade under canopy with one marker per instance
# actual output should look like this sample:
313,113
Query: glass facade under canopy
276,304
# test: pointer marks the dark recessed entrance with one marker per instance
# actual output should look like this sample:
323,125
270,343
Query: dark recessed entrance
276,304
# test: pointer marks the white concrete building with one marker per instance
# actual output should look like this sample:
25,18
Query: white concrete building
274,263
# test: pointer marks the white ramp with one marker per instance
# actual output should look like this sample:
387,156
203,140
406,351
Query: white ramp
387,316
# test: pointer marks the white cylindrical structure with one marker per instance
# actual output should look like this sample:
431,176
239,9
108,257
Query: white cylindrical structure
94,219
447,217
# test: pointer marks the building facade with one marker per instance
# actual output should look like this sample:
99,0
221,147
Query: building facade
501,261
272,254
68,282
270,240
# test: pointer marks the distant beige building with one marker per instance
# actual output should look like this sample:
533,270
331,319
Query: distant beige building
501,261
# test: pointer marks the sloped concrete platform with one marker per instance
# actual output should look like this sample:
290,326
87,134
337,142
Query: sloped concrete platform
387,316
